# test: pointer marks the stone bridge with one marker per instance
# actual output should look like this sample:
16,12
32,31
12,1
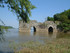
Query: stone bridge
47,26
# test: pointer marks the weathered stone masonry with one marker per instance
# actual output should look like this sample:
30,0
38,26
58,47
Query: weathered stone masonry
39,27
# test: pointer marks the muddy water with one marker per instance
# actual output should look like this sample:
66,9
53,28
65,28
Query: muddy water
13,35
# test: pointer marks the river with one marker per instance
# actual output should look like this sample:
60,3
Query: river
13,35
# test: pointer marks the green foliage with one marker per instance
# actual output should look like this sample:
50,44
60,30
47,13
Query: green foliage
56,17
64,18
50,18
2,28
22,8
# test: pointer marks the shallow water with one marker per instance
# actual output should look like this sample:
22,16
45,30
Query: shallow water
13,35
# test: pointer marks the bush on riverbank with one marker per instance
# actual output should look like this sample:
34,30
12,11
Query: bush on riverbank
2,28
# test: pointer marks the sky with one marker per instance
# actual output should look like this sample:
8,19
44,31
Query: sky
44,8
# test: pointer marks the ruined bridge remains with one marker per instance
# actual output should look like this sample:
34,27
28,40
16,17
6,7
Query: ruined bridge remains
47,26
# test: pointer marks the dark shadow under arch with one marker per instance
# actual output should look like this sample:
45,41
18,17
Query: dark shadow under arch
50,29
34,29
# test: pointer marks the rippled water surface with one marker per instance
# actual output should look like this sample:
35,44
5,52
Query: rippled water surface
13,35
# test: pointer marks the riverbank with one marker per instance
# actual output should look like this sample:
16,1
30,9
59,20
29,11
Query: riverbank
57,46
5,28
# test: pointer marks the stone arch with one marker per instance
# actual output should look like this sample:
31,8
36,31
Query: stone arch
50,29
34,28
26,27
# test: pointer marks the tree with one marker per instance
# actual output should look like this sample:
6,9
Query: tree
64,18
50,18
22,8
56,16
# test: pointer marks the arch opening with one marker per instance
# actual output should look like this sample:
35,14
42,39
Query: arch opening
33,29
50,29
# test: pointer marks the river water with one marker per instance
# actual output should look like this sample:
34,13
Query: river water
13,35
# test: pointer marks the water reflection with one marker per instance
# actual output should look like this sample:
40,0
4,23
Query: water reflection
40,34
34,33
52,35
63,35
24,33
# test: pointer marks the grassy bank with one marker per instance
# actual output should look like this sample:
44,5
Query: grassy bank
2,28
57,46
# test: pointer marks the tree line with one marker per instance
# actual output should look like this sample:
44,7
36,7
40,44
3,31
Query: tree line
63,18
